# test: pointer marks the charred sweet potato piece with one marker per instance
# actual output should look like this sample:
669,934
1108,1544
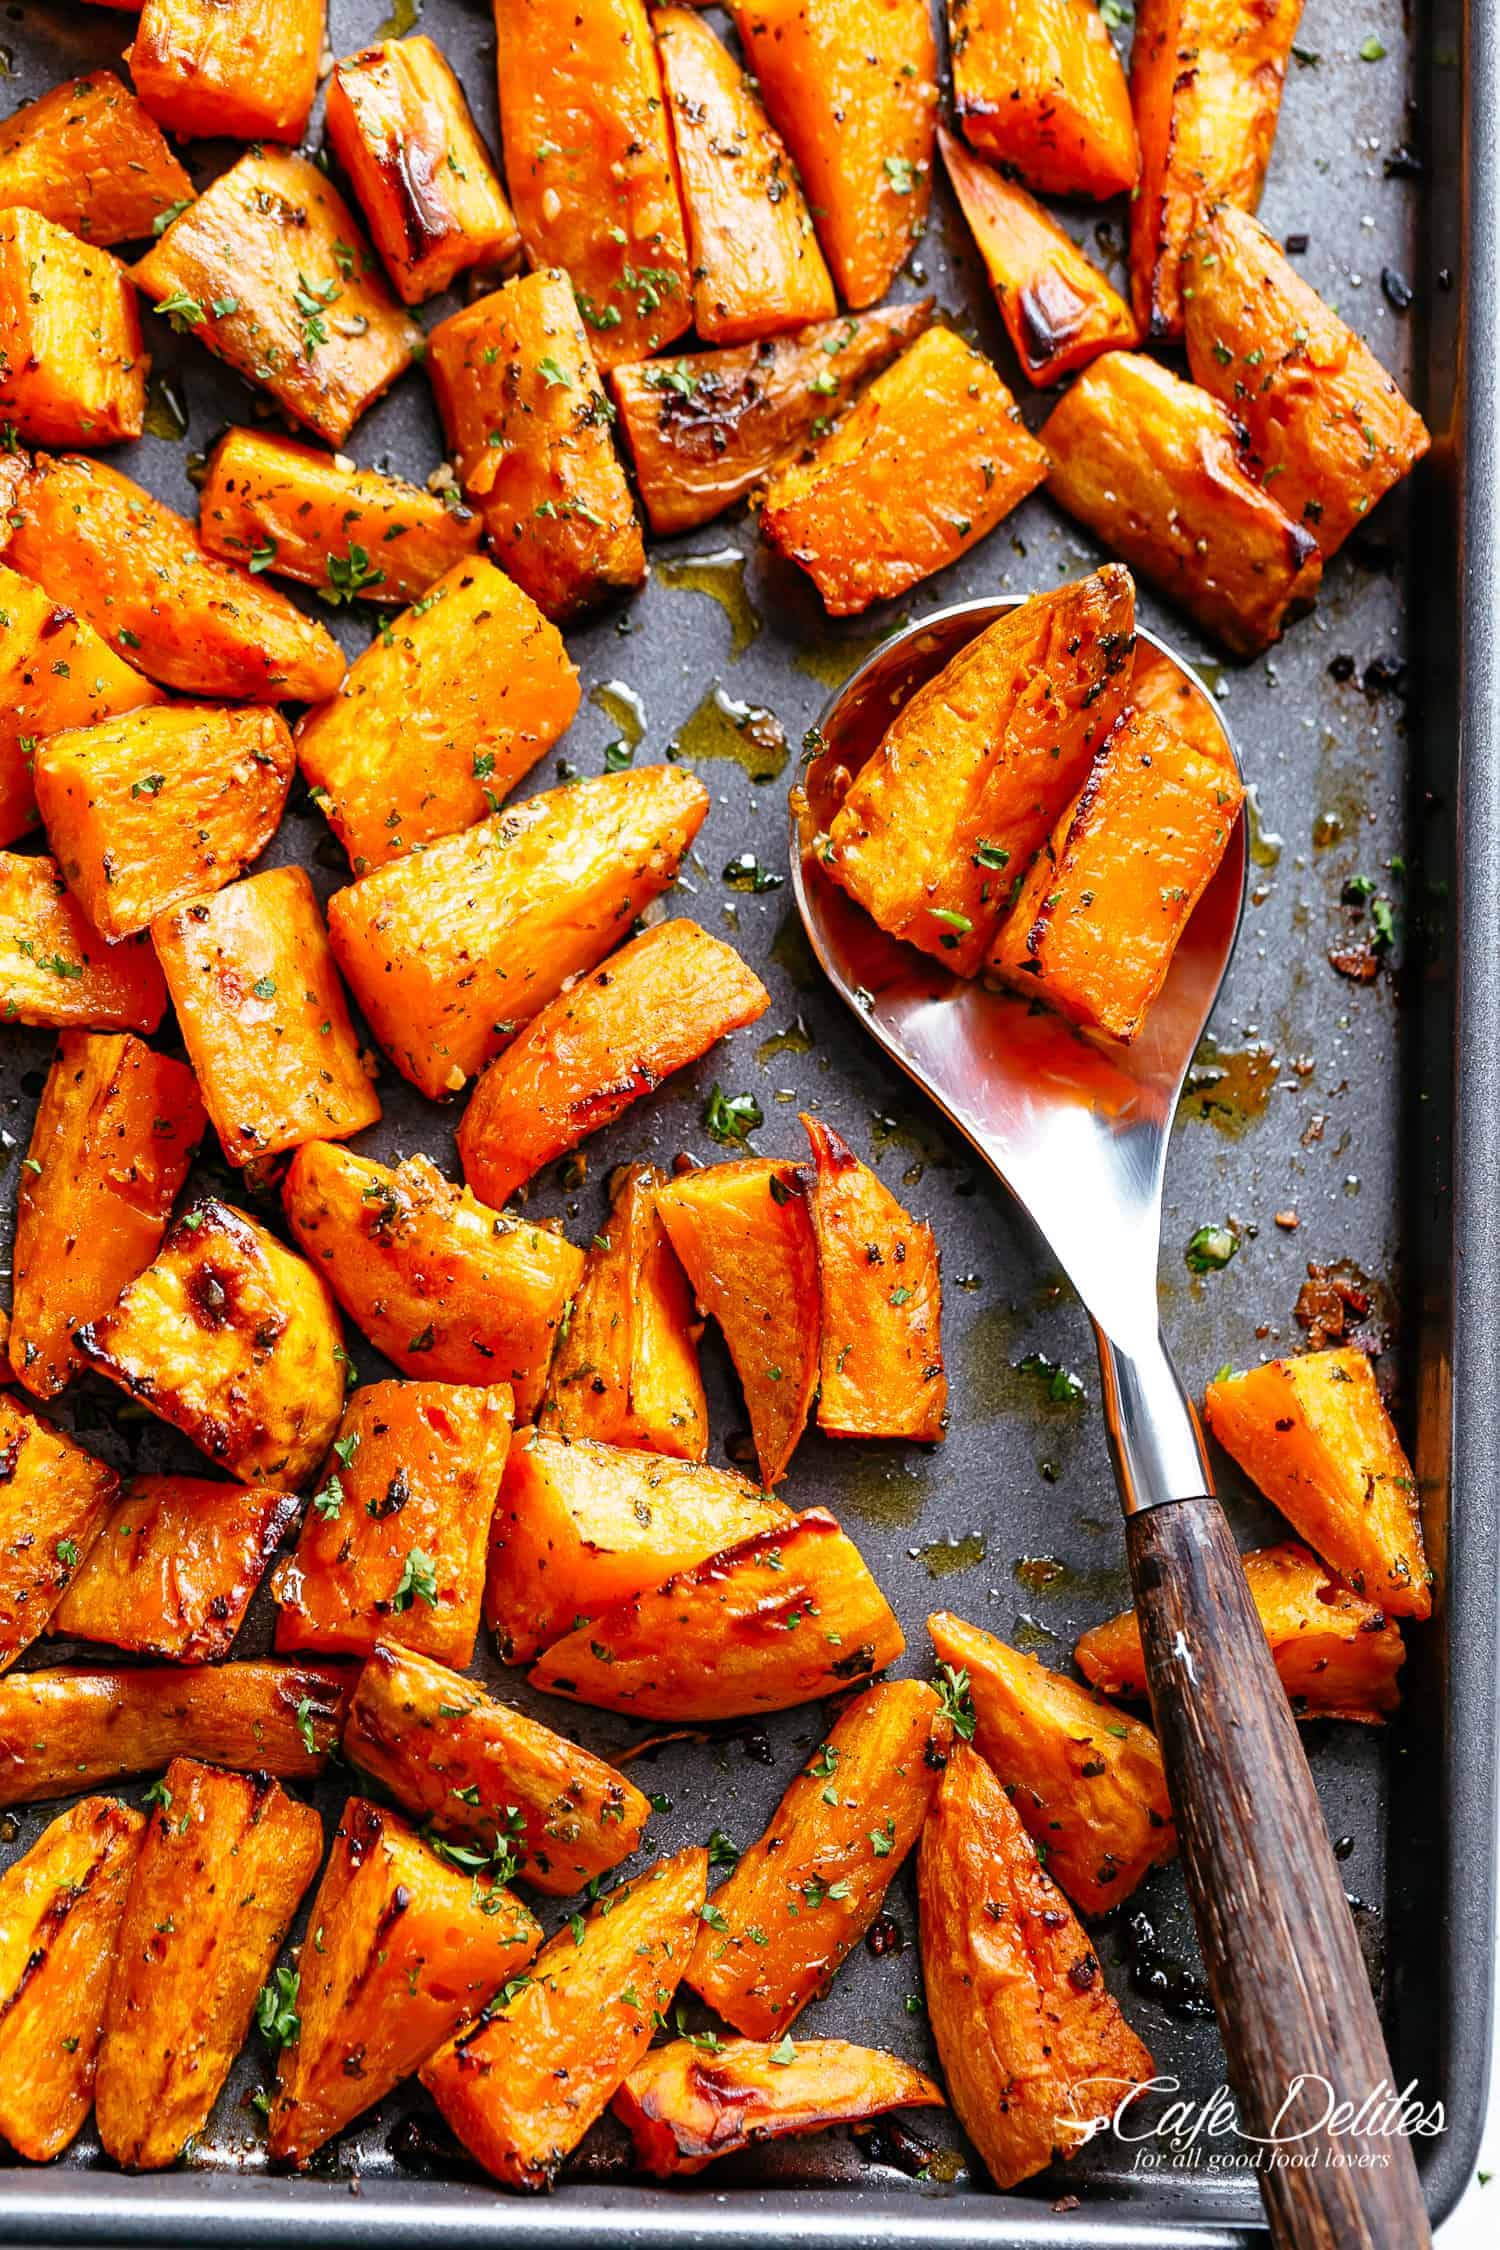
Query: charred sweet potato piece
1324,418
72,371
800,1900
156,806
683,2107
484,1774
1156,468
54,1502
88,156
589,159
785,1616
654,1007
60,1907
440,717
393,1545
525,413
269,270
114,1134
56,970
232,1340
746,1239
247,69
626,1366
406,1949
1313,1433
523,2085
1039,88
922,466
68,1728
224,1864
105,549
172,1571
581,1526
451,950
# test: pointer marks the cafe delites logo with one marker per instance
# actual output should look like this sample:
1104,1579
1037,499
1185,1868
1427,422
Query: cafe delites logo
1170,2131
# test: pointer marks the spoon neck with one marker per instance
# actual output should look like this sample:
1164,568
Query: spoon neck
1154,1431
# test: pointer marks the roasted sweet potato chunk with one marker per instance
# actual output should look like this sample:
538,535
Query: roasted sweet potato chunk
269,270
1038,87
480,1772
87,156
72,371
450,951
114,1134
800,1900
225,1861
927,462
1313,1433
440,717
784,1617
56,970
155,806
232,1340
406,1949
54,1502
524,2084
247,69
60,1907
1032,2043
172,1571
684,2107
1160,685
1156,468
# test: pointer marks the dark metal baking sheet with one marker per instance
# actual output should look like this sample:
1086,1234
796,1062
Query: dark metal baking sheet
1350,1121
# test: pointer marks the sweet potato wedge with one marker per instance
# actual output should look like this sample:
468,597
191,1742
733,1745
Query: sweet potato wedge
90,158
582,1526
440,717
1039,88
450,951
402,131
1313,1433
159,805
800,1899
55,968
527,418
684,2106
269,270
60,1908
626,1366
925,464
223,1866
1156,468
403,1950
523,2085
785,1616
1323,416
393,1545
172,1571
114,1134
247,69
72,370
232,1340
654,1007
54,1501
480,1772
589,159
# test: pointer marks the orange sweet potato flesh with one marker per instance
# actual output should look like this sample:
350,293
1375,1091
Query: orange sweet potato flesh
1324,418
104,548
114,1134
1159,685
1337,1654
654,1007
55,968
1039,87
1058,309
925,464
683,2107
1032,2044
407,1949
746,1240
626,1366
60,1908
580,1526
1313,1433
65,1729
1155,467
54,1501
72,370
88,156
156,806
247,69
853,90
440,717
522,2087
224,1864
448,1290
483,1774
774,1938
451,950
172,1571
786,1616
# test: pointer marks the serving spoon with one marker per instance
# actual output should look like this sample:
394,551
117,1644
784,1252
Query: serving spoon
1078,1131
